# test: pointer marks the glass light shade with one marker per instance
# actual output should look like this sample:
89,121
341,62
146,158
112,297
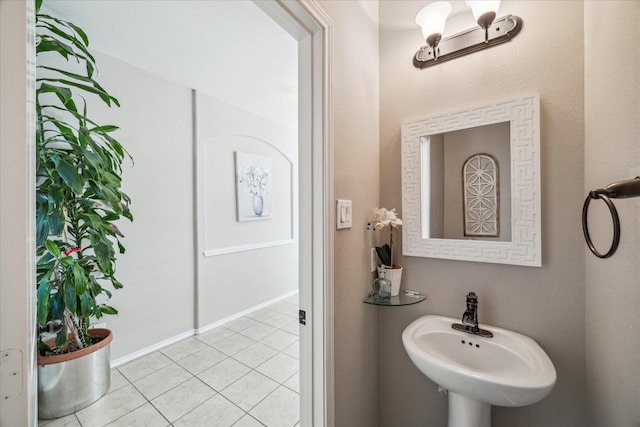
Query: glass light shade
480,7
432,18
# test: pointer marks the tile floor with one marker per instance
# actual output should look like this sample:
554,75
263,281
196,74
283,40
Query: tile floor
242,374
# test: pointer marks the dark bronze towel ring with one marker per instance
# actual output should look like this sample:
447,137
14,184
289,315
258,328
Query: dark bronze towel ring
617,190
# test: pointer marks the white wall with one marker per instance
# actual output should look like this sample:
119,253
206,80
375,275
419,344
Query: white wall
157,270
229,281
612,149
545,303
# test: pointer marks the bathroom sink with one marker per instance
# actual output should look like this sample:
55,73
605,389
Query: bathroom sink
508,369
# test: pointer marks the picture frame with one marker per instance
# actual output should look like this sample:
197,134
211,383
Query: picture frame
253,186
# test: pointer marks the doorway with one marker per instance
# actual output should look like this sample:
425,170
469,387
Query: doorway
315,213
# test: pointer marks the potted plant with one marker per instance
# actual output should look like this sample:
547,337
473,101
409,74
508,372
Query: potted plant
78,201
381,218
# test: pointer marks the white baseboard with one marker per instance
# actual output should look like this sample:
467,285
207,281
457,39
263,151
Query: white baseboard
143,352
242,313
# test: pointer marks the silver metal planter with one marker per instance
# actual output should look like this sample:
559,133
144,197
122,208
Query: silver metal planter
70,382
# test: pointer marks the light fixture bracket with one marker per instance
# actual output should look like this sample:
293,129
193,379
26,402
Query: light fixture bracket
502,30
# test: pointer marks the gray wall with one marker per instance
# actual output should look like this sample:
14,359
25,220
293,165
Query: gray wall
545,303
612,148
356,177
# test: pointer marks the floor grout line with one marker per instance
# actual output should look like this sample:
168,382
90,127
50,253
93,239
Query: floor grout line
282,311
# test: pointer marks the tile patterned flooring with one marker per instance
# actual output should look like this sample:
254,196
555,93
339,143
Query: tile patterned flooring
242,374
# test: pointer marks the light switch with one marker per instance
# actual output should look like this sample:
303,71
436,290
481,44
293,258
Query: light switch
343,214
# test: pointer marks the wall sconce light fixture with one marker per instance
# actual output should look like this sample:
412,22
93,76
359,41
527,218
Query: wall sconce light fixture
490,31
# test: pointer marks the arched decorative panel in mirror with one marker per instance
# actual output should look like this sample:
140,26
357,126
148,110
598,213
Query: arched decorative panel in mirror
481,196
447,216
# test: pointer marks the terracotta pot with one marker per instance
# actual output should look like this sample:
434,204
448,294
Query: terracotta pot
69,382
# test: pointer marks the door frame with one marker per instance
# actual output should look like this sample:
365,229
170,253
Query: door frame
311,26
18,379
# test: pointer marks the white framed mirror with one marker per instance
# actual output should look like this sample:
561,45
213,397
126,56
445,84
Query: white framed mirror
471,184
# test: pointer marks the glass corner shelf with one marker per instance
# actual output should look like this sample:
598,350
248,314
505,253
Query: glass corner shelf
400,299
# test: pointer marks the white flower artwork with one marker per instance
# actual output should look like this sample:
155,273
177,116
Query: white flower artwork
253,186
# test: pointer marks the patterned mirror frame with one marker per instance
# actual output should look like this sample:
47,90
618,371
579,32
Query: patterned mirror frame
524,248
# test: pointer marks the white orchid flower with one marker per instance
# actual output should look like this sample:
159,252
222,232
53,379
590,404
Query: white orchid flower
382,217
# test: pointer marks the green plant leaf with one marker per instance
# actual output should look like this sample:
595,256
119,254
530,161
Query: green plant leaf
77,29
68,173
56,221
110,195
40,18
53,248
64,95
52,45
105,309
86,304
100,92
99,89
89,67
65,131
79,279
75,42
103,253
42,224
44,290
69,295
116,283
105,128
42,347
92,158
61,338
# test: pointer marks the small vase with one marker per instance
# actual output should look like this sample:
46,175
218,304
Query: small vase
381,289
257,204
392,274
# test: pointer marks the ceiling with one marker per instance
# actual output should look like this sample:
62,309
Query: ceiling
229,49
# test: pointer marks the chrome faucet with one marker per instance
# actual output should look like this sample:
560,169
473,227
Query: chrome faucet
470,318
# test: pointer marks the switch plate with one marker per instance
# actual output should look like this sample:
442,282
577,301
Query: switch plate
343,214
10,374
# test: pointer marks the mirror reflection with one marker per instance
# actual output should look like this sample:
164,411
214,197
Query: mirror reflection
466,183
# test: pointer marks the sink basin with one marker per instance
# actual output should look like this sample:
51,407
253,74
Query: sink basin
508,369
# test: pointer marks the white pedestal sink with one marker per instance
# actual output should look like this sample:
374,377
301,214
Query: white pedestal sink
508,369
